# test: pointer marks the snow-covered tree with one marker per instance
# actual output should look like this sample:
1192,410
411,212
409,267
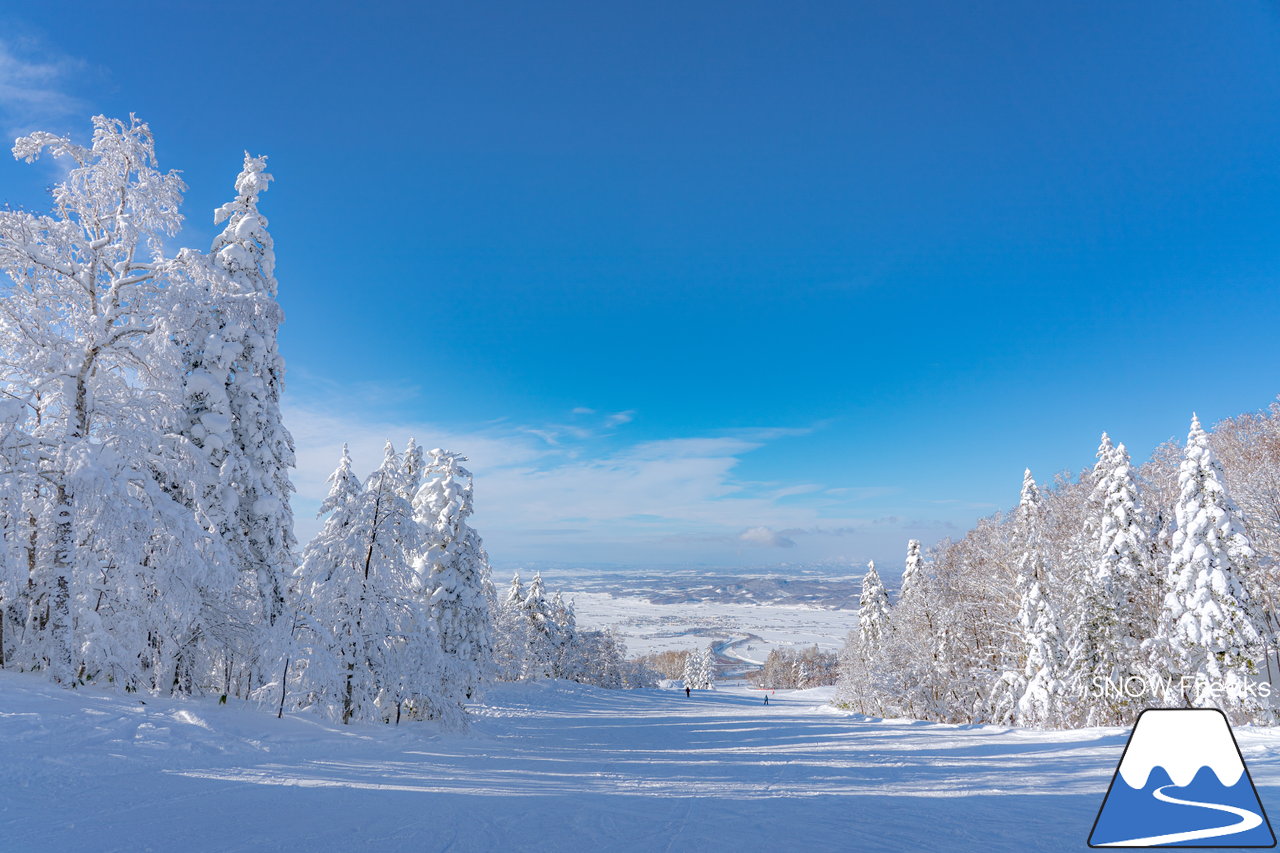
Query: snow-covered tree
1029,531
709,667
602,662
699,669
1210,632
225,334
536,635
455,571
910,655
912,572
1041,702
690,676
375,653
862,664
1114,614
789,668
873,612
570,661
1124,541
110,480
540,631
413,464
19,512
1071,513
1011,681
261,453
510,634
1248,447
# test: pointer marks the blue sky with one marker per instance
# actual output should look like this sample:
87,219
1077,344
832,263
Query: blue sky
729,283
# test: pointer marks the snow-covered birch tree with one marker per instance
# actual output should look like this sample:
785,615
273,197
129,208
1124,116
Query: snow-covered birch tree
82,348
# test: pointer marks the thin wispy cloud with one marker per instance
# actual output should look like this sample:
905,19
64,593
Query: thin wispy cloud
35,87
540,487
587,424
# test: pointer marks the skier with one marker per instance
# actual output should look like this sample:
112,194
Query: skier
686,691
766,698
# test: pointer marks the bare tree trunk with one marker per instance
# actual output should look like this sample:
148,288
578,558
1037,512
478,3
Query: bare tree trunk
348,703
284,685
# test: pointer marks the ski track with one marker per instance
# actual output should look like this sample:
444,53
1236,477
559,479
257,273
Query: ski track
1248,820
545,767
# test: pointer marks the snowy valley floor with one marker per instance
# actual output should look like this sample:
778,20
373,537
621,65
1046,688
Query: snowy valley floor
548,766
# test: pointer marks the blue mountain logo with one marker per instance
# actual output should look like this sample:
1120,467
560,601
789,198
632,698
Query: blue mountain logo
1182,783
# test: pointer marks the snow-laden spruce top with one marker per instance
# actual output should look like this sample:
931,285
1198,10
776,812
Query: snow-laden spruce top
1181,742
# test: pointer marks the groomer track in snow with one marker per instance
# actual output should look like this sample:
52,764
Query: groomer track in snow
546,766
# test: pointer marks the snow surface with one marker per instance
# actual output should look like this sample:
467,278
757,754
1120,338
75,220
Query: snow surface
546,766
647,627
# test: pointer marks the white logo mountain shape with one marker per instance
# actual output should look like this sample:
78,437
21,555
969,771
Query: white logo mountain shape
1181,742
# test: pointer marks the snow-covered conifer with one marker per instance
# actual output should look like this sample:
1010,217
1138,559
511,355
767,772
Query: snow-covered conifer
374,651
1210,632
1112,621
910,657
1029,531
862,657
913,571
262,448
873,612
602,661
455,571
540,631
707,668
570,659
1012,677
699,669
413,464
691,678
510,633
1041,702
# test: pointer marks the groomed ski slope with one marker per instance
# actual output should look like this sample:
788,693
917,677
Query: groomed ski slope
546,766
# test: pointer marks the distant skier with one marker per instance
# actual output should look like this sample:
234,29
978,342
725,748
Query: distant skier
687,692
766,698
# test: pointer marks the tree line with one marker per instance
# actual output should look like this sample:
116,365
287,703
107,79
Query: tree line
1124,588
145,492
